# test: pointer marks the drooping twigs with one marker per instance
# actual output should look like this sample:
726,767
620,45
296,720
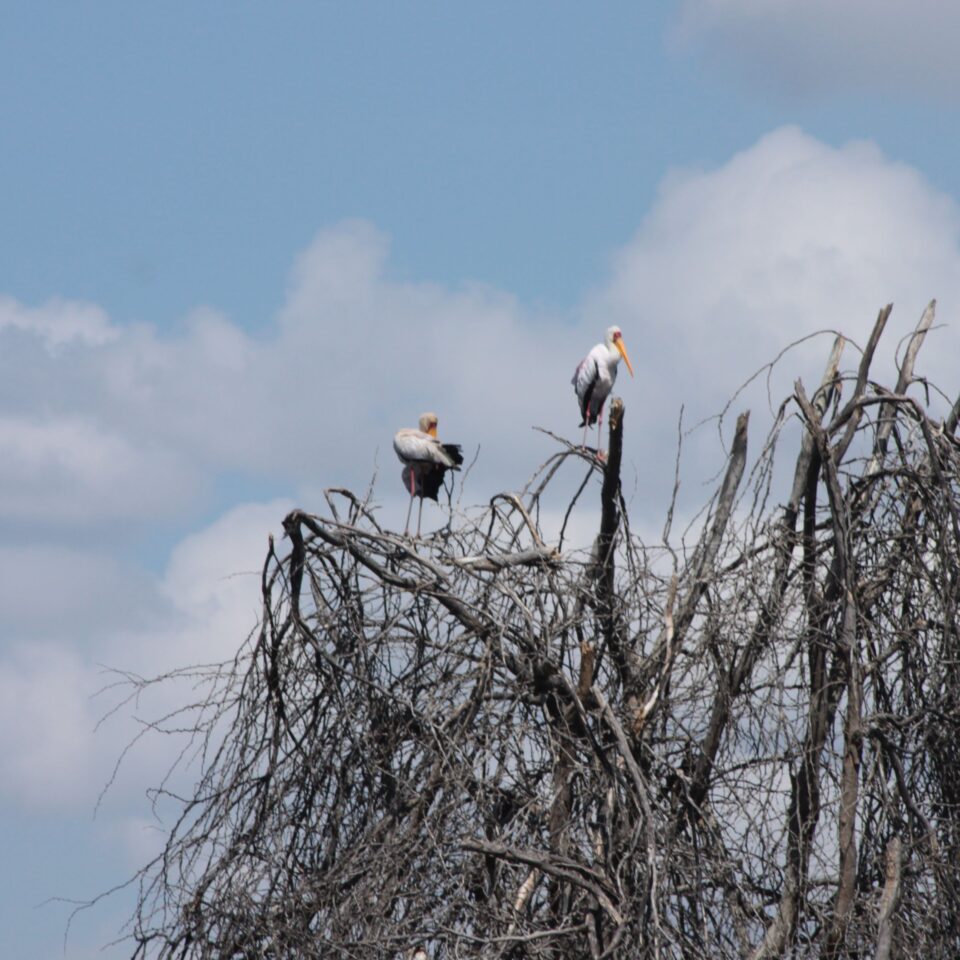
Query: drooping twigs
488,745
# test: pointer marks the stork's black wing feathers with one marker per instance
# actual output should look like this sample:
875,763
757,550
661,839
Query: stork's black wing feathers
585,405
453,451
428,478
584,380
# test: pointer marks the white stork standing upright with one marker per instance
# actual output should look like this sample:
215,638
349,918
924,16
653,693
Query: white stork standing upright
425,462
595,376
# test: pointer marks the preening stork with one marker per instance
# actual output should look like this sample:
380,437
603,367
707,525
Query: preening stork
425,462
595,376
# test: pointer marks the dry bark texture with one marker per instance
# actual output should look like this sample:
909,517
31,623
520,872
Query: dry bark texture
477,746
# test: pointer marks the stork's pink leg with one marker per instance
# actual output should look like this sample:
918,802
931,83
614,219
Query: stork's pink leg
406,526
586,426
600,453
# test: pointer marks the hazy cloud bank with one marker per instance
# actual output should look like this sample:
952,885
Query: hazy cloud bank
820,47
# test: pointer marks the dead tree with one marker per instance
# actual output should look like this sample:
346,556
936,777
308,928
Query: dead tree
477,746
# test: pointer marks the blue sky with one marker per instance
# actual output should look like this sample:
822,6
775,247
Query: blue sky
161,156
237,128
242,243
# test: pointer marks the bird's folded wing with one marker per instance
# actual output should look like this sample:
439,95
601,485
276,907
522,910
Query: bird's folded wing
586,375
414,446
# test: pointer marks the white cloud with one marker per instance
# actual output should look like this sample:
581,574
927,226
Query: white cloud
200,611
70,469
213,581
45,744
819,46
790,236
70,595
142,424
369,354
58,323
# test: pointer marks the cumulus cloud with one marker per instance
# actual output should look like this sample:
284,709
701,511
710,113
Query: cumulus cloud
68,469
53,671
57,593
143,422
819,46
45,742
58,322
789,237
213,582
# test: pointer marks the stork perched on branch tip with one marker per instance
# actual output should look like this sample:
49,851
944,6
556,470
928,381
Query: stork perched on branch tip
425,462
594,378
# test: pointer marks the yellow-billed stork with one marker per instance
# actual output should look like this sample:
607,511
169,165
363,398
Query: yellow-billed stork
595,376
425,462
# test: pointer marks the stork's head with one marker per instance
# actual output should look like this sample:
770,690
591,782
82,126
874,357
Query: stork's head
615,342
428,423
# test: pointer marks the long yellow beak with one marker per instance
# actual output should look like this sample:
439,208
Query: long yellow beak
432,430
623,353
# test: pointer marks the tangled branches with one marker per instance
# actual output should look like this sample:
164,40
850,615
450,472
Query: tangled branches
473,745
